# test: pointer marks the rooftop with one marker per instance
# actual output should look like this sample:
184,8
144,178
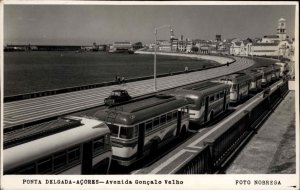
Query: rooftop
271,36
265,44
202,86
145,103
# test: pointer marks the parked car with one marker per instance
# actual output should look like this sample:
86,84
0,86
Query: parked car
117,96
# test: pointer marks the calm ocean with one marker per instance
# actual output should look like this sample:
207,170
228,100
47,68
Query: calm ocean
26,72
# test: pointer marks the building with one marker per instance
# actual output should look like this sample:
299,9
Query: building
189,45
241,47
218,38
281,29
164,45
182,44
277,45
121,47
173,41
205,49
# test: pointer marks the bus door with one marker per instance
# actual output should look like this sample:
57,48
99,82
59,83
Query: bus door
224,100
87,158
206,108
179,114
141,140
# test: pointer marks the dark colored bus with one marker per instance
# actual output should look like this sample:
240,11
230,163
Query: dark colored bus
139,128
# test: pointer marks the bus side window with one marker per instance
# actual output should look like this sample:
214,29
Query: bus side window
222,94
156,122
28,169
175,114
59,160
234,87
98,145
44,166
73,154
217,96
211,98
169,116
163,119
149,125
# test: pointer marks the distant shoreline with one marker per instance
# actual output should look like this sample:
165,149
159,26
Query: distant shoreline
218,59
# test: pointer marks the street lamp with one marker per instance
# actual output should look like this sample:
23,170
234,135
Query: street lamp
155,46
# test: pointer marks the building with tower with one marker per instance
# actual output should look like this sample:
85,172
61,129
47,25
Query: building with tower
276,45
281,29
173,41
218,38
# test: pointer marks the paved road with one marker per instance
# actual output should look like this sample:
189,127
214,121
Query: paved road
21,112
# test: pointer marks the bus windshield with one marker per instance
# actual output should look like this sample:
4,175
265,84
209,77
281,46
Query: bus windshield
114,130
126,132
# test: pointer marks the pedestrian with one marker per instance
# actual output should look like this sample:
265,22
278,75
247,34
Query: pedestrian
123,80
118,79
186,69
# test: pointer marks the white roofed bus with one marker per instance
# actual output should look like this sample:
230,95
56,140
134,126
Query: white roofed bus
207,100
240,85
61,152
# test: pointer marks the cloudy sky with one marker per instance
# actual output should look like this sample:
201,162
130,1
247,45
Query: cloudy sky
85,24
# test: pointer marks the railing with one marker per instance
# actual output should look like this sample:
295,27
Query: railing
197,164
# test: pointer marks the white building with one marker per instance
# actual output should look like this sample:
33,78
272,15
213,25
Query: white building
270,45
240,47
121,47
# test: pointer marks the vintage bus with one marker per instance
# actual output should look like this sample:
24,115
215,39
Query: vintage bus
283,68
276,72
267,73
207,100
256,80
84,148
240,84
141,127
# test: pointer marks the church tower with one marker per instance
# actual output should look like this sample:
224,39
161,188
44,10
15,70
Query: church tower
172,36
281,29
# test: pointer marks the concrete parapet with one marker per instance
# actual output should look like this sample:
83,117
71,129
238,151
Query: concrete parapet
292,85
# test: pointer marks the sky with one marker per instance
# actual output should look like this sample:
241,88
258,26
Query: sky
85,24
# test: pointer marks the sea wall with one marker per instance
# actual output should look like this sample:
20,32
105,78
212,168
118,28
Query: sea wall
219,59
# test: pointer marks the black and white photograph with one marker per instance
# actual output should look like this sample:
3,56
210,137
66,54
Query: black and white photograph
149,95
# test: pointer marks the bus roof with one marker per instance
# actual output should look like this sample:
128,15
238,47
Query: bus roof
39,148
276,67
253,74
38,131
200,89
205,86
264,69
236,77
140,110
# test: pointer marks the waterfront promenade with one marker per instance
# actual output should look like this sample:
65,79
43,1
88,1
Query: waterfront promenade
25,111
